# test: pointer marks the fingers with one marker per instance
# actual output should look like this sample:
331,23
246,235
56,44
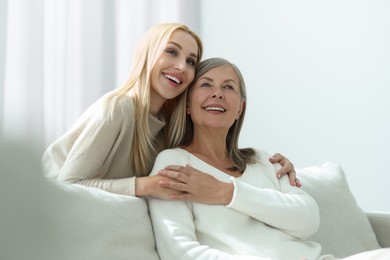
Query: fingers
294,181
181,197
298,183
178,175
174,167
169,174
178,168
177,172
291,177
178,178
287,168
173,185
277,157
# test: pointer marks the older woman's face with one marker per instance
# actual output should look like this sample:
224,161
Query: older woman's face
214,100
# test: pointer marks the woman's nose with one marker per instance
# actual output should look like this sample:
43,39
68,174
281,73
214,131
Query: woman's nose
180,65
217,96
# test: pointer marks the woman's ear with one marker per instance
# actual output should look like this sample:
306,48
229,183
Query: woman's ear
241,108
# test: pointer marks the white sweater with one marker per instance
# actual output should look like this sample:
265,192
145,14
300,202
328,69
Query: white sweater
266,219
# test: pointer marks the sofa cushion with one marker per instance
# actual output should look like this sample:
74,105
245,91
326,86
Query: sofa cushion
25,230
344,228
96,224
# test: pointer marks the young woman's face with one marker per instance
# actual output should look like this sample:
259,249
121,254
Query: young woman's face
175,68
215,99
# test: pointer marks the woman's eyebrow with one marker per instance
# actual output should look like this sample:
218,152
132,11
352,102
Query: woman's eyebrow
231,80
206,78
225,81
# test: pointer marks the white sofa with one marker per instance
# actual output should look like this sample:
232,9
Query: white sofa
50,220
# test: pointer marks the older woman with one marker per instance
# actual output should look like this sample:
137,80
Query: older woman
265,218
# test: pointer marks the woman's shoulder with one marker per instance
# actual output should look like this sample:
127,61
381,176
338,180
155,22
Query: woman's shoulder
262,155
263,160
174,156
115,107
120,103
180,156
174,152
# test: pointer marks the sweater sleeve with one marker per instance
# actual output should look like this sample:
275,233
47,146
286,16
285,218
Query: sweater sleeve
93,151
296,214
287,208
174,230
173,224
80,169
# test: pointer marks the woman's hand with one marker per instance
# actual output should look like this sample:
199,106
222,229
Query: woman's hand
287,168
150,186
194,185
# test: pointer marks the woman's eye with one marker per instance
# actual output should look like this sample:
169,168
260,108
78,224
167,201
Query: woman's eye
172,52
205,85
230,87
191,62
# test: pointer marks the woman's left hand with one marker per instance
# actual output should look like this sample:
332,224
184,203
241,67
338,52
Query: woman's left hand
196,186
287,168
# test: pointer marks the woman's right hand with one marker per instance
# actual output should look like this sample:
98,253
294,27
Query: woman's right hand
194,185
151,186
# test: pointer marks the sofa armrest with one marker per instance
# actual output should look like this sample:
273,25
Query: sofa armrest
380,222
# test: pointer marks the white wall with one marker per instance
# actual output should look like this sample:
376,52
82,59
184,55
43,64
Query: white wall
318,79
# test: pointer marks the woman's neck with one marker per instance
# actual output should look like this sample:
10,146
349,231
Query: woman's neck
210,142
211,148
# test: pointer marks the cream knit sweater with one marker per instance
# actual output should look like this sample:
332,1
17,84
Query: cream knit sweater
96,151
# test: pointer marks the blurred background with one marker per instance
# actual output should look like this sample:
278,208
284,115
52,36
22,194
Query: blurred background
317,72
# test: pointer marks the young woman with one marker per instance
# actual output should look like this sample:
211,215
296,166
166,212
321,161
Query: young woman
266,218
114,143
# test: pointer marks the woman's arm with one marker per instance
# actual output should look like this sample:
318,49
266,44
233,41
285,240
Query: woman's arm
150,186
289,209
95,151
197,186
94,142
284,206
173,223
175,234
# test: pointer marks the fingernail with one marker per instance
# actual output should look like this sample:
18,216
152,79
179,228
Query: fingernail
279,175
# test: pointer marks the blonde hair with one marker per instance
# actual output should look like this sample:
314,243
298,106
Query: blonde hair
150,47
240,157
